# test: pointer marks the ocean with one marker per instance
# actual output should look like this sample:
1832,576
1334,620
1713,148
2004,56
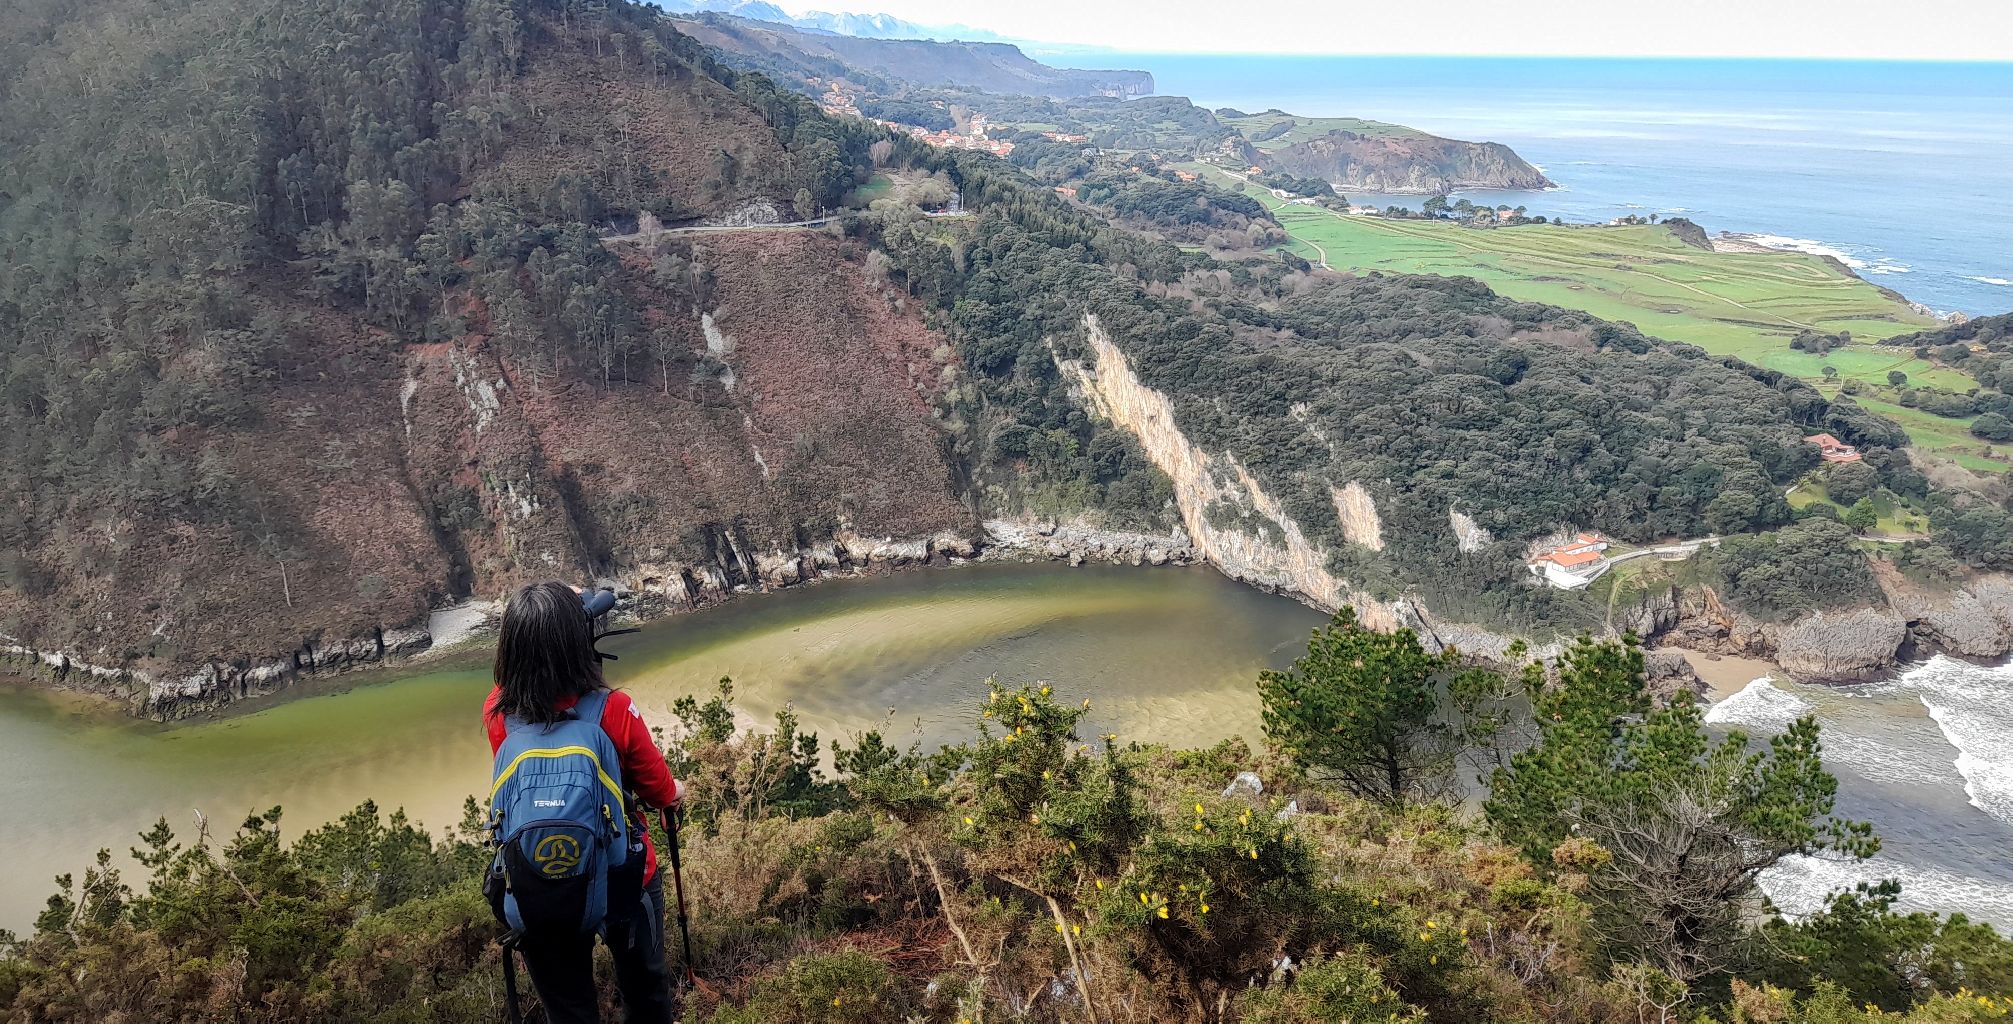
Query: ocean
1904,171
1928,759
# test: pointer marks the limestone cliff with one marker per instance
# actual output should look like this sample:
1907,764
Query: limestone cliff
1228,514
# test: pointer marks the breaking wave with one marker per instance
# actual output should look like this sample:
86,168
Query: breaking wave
1969,703
1763,707
2000,281
1799,886
1759,705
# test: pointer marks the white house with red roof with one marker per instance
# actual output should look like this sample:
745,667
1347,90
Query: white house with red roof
1573,563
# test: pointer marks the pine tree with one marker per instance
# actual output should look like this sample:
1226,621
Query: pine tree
1362,706
1671,828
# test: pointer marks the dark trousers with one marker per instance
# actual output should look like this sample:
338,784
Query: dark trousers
563,971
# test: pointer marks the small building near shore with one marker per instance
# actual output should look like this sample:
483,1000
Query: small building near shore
1572,564
1831,449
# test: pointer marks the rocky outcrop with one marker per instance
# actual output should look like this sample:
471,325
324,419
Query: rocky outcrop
1405,162
1840,646
1667,672
1654,612
1077,543
1469,535
1358,513
1972,620
731,566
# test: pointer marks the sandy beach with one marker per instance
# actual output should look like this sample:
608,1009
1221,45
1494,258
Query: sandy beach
1725,675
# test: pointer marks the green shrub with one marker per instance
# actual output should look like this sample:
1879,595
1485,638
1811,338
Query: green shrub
1339,988
849,987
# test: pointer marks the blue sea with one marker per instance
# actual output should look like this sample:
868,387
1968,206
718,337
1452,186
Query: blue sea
1902,170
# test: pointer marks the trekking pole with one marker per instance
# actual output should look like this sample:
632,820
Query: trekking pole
678,885
512,1012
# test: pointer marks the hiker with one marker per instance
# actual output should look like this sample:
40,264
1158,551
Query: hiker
548,685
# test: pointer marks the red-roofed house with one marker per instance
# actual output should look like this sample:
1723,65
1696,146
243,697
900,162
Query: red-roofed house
1573,564
1831,449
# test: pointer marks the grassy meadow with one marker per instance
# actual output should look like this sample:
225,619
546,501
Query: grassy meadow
1747,305
1305,128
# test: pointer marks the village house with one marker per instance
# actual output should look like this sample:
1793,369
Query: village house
1831,449
1572,564
1185,175
1065,191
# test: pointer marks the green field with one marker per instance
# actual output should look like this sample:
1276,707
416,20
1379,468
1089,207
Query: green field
1947,437
1897,518
1305,128
1747,305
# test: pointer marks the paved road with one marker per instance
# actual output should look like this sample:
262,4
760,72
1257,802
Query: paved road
1686,548
641,236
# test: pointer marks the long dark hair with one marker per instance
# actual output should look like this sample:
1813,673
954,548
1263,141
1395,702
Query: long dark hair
545,653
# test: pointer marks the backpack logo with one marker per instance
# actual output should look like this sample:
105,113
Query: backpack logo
557,856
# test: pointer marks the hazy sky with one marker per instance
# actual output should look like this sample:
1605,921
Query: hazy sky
1895,29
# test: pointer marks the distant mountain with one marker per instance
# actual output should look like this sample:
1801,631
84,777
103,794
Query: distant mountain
860,26
793,52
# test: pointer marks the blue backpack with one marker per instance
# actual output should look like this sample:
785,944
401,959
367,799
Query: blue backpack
556,816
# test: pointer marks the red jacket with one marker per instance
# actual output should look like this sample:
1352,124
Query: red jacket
643,769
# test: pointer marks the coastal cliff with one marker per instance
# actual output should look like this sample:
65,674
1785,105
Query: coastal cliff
1405,163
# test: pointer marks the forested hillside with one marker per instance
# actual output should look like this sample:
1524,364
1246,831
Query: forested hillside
307,325
337,330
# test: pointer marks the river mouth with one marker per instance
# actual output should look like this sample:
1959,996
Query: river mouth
1166,654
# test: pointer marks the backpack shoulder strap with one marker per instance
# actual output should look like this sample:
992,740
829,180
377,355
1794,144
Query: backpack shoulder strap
592,707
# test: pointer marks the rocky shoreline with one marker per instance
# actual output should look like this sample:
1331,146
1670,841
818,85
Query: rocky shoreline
1974,623
650,591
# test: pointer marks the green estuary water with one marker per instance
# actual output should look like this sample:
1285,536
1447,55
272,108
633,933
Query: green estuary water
1166,654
